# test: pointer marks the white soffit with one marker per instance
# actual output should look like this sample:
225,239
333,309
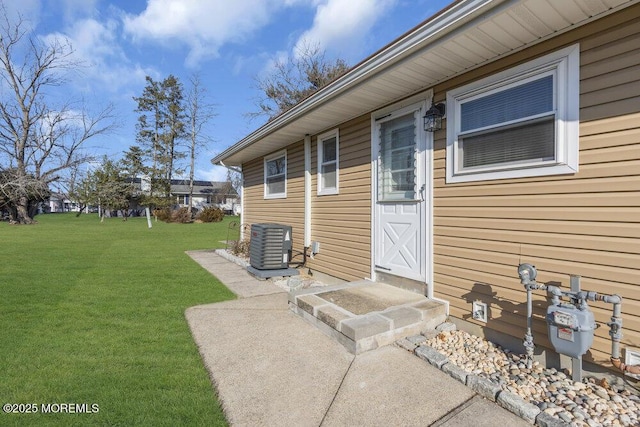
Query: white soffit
467,35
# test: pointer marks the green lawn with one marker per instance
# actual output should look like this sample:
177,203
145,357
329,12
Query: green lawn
93,313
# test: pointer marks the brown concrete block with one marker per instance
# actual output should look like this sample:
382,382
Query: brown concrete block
309,303
331,316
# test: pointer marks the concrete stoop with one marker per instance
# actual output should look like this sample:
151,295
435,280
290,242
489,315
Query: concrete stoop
364,315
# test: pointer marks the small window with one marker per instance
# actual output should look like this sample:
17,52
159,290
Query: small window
183,199
328,161
518,123
275,176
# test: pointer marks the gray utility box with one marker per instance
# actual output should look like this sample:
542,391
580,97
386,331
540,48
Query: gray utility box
270,247
570,329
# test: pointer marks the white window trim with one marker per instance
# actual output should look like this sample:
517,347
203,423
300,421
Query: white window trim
267,159
565,64
321,138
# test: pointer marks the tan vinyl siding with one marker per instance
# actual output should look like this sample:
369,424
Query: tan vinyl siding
586,224
342,222
288,211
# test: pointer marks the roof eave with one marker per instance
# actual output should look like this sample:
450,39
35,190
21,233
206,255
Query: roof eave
448,19
426,56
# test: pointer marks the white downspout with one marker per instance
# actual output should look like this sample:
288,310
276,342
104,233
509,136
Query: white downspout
238,170
241,204
307,191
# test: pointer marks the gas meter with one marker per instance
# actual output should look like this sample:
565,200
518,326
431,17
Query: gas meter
571,329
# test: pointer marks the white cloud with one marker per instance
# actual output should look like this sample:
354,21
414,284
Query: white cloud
93,39
215,173
203,25
97,47
342,27
73,9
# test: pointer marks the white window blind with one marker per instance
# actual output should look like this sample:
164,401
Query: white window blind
519,122
509,126
397,161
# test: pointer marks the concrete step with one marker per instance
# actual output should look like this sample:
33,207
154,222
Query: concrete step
365,315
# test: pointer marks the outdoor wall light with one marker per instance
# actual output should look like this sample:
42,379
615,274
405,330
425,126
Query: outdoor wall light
433,117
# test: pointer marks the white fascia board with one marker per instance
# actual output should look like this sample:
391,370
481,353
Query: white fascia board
449,19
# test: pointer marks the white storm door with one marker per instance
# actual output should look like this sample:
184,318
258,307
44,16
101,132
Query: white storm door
401,204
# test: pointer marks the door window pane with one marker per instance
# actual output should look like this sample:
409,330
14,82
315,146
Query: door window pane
397,159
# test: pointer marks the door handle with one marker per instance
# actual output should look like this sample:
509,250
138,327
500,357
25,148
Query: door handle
422,190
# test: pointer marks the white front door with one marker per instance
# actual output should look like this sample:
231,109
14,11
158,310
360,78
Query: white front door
400,242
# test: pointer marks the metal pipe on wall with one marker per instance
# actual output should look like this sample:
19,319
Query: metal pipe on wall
528,274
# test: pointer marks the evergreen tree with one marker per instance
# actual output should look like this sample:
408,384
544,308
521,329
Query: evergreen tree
161,125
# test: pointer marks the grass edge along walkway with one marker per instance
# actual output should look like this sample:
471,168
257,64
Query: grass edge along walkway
92,315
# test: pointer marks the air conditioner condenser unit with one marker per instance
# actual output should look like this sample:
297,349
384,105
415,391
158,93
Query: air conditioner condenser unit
270,247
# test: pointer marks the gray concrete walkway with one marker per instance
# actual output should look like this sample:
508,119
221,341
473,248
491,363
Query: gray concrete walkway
272,368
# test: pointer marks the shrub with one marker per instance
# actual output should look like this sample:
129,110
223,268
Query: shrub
163,214
182,215
211,214
240,248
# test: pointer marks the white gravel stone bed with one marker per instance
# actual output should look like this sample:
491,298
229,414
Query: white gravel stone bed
303,281
589,403
294,283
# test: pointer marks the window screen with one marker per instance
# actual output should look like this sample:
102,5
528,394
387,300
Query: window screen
397,161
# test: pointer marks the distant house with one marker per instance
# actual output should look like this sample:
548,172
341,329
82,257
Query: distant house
60,202
537,160
206,193
218,194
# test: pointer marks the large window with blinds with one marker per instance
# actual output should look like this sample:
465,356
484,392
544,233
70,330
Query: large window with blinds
522,122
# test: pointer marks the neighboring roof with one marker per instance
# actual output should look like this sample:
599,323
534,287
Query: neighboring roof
201,187
181,186
57,196
465,35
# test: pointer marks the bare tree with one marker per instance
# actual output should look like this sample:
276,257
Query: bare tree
14,185
199,112
295,79
38,139
78,188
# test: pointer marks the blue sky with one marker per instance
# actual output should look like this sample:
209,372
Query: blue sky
227,42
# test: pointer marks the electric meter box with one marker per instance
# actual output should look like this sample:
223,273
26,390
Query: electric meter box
570,329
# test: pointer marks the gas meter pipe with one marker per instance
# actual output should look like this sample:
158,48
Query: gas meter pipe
528,338
615,327
527,273
630,369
